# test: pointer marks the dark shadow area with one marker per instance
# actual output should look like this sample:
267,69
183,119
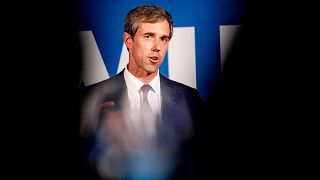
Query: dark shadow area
48,64
262,122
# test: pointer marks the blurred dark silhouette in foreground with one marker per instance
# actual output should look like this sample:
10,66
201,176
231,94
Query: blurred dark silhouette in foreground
264,105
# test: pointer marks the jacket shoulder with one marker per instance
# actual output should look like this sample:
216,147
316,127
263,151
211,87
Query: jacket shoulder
110,85
177,85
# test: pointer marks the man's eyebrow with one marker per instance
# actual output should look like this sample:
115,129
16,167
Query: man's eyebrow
153,34
164,36
148,33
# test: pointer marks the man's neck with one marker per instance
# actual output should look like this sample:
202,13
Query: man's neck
143,76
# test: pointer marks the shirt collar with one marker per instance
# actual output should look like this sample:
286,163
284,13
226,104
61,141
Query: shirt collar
155,83
134,84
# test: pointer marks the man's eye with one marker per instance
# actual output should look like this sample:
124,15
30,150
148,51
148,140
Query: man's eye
165,39
147,37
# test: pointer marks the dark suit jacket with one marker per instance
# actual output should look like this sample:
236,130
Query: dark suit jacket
181,110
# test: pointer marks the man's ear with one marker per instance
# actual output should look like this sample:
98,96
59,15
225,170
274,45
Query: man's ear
127,39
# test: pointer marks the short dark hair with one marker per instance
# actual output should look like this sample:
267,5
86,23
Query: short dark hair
146,14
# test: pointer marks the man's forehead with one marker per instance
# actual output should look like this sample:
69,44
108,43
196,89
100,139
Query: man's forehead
157,26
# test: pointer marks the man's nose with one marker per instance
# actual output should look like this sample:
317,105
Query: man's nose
156,45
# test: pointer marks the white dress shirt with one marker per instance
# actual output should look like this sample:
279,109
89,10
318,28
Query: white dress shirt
135,98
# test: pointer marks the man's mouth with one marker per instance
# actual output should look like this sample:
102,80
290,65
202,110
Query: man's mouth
153,59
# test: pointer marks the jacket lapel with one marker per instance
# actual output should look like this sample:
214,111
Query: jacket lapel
176,123
119,93
170,99
167,127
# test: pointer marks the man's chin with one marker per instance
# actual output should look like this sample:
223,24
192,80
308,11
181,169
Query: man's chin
151,69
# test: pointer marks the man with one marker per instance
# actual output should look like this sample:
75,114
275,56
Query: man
140,123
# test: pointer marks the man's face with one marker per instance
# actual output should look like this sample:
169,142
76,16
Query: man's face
149,46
